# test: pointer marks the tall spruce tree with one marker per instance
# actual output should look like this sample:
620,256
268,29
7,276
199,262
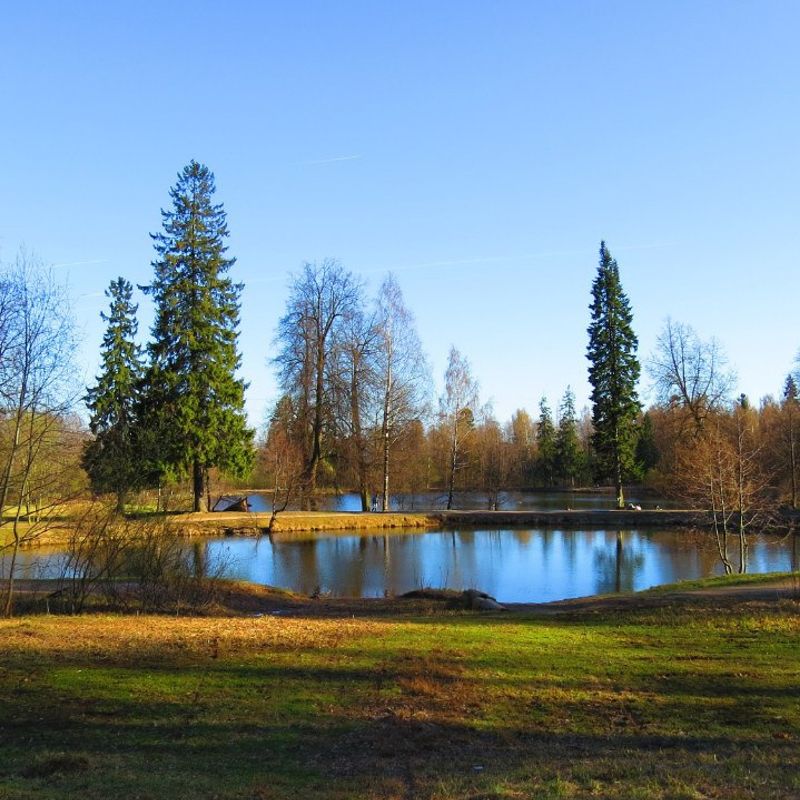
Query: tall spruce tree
613,373
193,397
110,459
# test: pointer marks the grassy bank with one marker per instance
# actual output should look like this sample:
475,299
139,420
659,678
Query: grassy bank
674,700
249,523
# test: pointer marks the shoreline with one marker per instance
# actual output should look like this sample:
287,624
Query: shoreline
246,523
315,523
235,598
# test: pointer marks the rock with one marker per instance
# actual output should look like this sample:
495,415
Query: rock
480,601
487,604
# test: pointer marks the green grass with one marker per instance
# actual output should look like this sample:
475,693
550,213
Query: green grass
748,579
674,702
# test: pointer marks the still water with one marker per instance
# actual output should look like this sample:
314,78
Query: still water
512,565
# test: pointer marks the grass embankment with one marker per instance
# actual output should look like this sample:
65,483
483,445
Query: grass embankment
300,521
674,700
234,522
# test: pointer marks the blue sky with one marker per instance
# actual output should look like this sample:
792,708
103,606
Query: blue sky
481,151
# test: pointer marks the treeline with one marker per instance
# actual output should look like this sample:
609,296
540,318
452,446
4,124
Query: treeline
356,409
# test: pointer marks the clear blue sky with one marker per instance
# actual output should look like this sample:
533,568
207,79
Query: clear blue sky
479,150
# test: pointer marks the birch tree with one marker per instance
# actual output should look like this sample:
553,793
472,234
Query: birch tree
403,374
458,408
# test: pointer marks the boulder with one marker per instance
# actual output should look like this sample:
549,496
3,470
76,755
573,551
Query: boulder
480,601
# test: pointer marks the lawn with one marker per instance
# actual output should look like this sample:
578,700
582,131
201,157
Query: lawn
680,700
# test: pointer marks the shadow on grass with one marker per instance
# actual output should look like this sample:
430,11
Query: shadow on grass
158,750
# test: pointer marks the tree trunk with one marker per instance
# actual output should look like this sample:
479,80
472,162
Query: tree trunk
199,486
122,496
310,471
618,471
453,464
358,438
8,604
387,410
792,460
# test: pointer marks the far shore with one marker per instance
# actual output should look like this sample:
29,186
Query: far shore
251,523
312,524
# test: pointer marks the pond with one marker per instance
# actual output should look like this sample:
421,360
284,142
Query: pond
512,565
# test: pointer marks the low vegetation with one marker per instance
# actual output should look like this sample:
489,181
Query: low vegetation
666,699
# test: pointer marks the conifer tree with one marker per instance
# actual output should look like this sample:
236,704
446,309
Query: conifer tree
193,397
646,449
613,373
110,459
545,444
569,457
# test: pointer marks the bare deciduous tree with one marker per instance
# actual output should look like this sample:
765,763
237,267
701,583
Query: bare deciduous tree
457,409
403,373
689,372
321,296
37,392
281,458
720,469
494,460
790,409
354,384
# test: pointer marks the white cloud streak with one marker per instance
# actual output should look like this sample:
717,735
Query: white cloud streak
460,262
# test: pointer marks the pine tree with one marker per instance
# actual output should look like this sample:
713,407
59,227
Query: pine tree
193,398
545,445
569,458
613,373
110,459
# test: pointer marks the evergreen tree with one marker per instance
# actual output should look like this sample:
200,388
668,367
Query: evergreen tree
545,445
613,373
110,459
193,398
646,450
569,458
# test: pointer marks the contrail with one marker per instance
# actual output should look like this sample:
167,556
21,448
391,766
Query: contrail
458,262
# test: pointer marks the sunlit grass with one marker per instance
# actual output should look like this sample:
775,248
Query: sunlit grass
674,701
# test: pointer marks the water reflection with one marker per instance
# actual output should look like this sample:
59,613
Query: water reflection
513,565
